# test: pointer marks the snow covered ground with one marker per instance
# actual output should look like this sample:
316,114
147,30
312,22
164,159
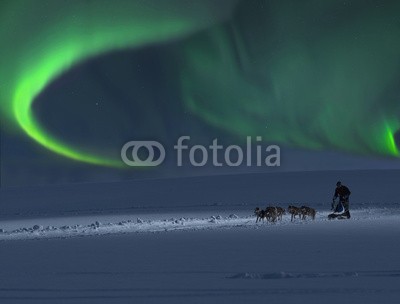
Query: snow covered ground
211,253
90,225
225,258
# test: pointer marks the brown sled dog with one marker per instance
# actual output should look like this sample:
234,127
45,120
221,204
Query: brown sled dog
260,214
271,214
307,211
294,211
280,212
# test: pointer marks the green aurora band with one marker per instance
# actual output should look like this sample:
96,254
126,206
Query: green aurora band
314,82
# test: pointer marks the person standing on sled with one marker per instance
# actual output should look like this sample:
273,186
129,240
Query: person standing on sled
343,193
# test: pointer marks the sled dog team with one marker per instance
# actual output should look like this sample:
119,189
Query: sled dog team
273,214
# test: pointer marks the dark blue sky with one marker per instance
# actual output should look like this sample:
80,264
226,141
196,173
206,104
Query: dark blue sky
135,94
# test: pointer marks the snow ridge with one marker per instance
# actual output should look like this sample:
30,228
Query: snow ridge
43,231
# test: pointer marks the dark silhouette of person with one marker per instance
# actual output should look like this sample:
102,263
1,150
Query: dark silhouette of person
343,193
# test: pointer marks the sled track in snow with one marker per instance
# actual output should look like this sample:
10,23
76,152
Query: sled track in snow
130,224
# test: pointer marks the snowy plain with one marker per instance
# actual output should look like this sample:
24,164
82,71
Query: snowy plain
207,249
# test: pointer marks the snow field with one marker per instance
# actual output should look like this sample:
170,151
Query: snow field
88,226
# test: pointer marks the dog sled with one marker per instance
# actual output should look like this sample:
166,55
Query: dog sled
339,212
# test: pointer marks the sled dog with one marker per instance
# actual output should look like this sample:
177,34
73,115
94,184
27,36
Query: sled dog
294,211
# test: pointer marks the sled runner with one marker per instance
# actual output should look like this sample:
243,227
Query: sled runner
339,212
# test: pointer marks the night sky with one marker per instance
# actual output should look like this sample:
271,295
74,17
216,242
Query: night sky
80,78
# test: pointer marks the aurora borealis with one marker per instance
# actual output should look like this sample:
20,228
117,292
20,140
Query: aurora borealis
74,32
319,74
